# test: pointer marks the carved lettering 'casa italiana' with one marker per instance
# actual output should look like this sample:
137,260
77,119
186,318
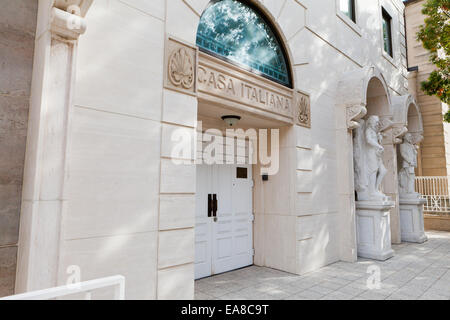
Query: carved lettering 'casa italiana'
234,88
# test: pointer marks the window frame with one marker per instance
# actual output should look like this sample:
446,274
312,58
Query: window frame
395,14
352,10
386,18
352,24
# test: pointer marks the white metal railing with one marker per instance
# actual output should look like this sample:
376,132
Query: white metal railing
86,288
435,190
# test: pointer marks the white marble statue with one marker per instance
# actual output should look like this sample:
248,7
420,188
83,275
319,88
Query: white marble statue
368,155
406,176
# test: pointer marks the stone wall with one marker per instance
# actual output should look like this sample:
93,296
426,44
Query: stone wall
17,29
434,222
434,158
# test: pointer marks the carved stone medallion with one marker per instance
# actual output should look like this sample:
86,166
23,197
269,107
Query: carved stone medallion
181,66
181,69
303,110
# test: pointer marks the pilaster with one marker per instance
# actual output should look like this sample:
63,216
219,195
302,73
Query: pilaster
60,23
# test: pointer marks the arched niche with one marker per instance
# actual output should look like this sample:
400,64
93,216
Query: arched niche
377,98
360,94
407,115
408,119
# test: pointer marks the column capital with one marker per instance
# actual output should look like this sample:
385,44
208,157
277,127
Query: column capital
398,132
73,6
355,113
67,18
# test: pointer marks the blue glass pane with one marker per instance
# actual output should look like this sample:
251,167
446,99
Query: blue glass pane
233,30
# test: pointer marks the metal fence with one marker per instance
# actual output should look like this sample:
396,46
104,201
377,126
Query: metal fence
436,191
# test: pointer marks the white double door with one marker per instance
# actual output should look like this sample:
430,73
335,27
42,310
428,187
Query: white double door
224,219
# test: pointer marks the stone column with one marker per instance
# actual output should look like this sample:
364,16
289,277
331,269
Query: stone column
59,25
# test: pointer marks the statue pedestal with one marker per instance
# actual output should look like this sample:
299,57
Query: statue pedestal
411,219
373,229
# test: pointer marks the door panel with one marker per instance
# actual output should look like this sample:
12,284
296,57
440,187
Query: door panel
225,243
223,227
243,220
203,224
232,233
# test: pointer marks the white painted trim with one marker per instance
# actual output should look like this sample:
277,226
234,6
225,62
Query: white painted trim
117,282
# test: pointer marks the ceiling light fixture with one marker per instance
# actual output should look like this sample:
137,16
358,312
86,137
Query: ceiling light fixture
231,120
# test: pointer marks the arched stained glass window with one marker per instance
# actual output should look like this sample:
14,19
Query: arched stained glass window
235,32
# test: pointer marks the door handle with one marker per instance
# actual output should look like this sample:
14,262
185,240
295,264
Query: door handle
214,205
210,205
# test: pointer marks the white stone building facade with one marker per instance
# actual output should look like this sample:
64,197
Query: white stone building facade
101,189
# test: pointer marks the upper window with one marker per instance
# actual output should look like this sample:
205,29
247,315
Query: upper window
234,31
347,7
387,33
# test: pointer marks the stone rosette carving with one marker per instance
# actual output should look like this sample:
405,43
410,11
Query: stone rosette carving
181,66
354,114
303,109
